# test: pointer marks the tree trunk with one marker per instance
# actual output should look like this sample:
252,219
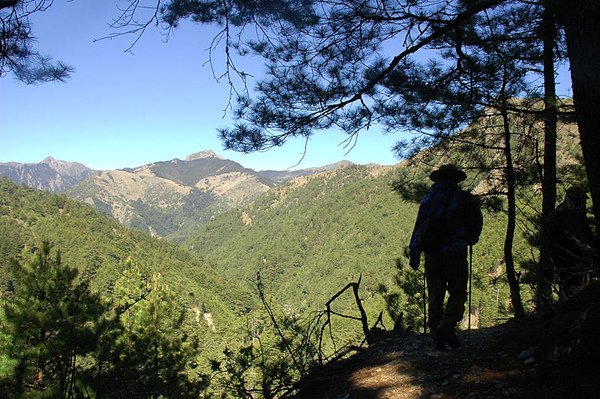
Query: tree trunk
513,281
544,271
581,22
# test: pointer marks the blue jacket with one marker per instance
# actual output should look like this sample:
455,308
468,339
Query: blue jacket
462,214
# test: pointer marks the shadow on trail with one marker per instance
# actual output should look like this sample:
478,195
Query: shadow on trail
402,365
533,358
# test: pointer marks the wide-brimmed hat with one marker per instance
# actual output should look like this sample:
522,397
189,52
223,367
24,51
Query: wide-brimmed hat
448,172
577,192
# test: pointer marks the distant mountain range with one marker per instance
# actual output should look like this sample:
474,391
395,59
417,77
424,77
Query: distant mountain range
48,175
168,198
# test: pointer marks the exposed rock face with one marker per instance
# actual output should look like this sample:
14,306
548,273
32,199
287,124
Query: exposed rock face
203,154
50,174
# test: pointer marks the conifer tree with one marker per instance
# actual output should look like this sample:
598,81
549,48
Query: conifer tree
17,53
47,326
152,354
328,61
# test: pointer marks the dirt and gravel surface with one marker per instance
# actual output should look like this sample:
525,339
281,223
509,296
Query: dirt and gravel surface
556,357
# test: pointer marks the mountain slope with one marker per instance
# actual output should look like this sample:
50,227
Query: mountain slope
173,197
330,225
199,166
49,175
145,201
279,176
168,198
532,358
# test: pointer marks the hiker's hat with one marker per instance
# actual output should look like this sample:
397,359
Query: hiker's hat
577,192
448,172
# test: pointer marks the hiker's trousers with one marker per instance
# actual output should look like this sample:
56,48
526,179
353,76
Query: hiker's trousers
446,273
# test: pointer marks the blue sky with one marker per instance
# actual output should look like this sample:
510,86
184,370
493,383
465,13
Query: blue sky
159,103
123,110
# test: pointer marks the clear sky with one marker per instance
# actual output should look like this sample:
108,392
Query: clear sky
123,110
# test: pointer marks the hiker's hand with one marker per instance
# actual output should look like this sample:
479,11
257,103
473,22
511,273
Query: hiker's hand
414,261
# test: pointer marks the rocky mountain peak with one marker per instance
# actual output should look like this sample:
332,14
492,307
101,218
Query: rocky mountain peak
203,154
67,168
50,174
49,160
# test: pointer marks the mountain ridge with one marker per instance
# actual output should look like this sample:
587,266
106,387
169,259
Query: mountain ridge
49,174
166,198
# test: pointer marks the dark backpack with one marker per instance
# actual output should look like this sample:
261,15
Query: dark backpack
473,222
434,228
434,232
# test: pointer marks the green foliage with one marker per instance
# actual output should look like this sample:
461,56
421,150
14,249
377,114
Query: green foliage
59,339
254,371
309,237
97,247
406,299
152,354
277,351
306,238
47,324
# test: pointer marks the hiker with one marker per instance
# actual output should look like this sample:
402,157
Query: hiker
569,239
449,220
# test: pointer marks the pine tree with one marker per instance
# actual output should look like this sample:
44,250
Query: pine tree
47,326
152,353
328,61
17,53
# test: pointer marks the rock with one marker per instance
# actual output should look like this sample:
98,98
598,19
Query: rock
203,154
509,391
527,353
529,361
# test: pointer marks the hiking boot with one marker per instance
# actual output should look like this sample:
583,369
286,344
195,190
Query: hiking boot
451,339
439,343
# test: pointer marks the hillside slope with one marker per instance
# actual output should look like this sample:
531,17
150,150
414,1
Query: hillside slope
312,236
328,228
172,199
98,246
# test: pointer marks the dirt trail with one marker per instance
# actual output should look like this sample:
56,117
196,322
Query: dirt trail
533,358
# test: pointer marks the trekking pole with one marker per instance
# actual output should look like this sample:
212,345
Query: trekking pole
424,303
470,293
